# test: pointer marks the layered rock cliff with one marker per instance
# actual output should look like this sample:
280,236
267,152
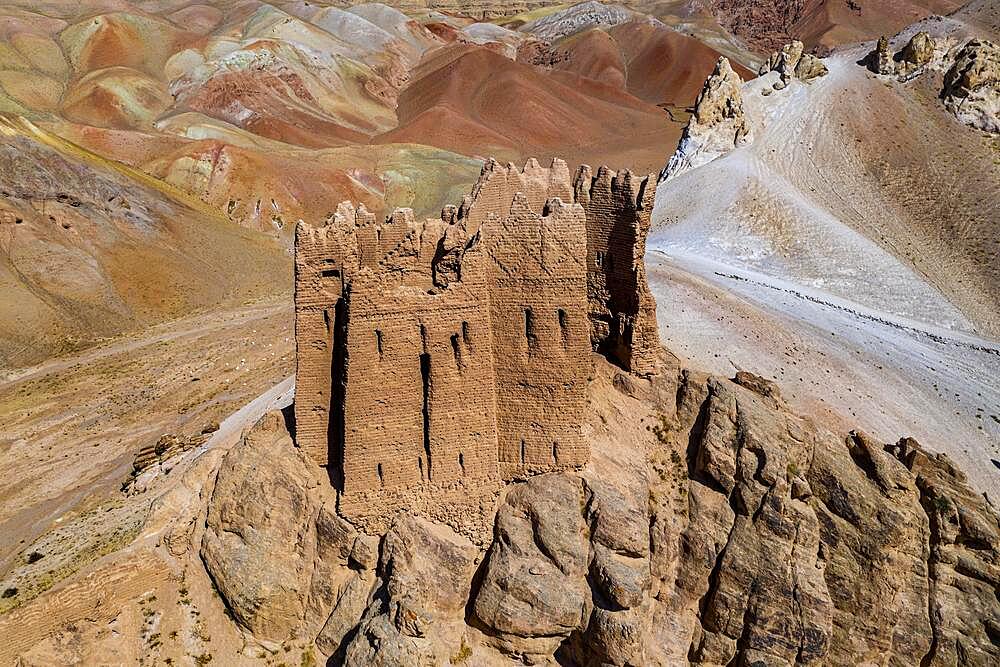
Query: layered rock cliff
715,526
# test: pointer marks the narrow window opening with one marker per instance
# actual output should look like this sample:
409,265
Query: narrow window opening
555,453
378,343
600,259
522,451
563,326
381,477
529,328
461,462
425,376
330,273
457,351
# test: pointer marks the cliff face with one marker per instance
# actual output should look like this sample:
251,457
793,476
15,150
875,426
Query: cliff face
712,525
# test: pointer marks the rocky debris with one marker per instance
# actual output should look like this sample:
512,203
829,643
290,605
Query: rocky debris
753,537
790,62
972,85
150,460
717,126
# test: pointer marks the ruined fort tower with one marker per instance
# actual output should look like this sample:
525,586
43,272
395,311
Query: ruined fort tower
439,358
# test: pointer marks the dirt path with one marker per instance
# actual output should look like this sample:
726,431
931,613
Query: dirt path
196,325
70,428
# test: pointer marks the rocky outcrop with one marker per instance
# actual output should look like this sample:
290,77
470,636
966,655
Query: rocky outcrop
783,61
910,61
879,60
801,548
279,555
719,123
752,536
577,18
810,67
416,616
918,51
972,85
569,571
790,62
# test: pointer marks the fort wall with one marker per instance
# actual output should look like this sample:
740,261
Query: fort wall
538,306
437,358
622,310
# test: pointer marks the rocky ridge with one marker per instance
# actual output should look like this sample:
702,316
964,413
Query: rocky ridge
718,124
745,533
971,85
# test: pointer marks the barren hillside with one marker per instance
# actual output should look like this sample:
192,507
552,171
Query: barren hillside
92,250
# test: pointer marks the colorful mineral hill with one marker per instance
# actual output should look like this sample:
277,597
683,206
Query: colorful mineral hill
448,355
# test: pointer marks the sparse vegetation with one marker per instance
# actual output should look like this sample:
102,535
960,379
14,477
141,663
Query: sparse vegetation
464,652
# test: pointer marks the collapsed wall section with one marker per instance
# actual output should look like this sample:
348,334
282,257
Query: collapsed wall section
622,310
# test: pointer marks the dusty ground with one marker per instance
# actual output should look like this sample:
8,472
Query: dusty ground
838,193
72,426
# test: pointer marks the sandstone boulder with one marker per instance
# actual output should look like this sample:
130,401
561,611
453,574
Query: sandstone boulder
918,51
278,553
810,67
417,616
880,59
259,539
534,591
972,85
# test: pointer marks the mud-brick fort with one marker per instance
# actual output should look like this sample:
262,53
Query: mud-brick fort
437,359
